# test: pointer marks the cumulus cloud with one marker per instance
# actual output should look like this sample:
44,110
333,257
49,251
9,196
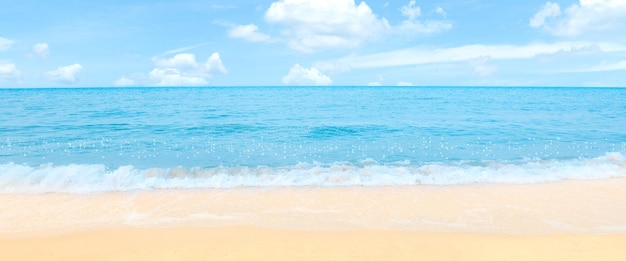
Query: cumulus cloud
180,70
5,44
186,62
180,61
585,16
299,75
64,74
41,50
214,63
413,25
313,25
249,32
175,77
8,71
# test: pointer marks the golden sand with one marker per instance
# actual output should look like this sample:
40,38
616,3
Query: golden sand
573,220
249,243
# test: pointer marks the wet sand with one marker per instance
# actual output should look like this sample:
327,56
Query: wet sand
571,220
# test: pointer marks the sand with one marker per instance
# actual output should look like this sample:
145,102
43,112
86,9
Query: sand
249,243
572,220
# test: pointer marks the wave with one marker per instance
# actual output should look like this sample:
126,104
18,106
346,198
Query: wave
97,178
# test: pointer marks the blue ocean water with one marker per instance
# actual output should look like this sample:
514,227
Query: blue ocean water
106,139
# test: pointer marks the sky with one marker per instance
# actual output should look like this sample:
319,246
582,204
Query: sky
67,43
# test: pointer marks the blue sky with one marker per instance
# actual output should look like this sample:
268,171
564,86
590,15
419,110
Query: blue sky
312,42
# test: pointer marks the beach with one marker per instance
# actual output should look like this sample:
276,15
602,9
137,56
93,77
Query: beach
253,243
313,173
313,130
573,220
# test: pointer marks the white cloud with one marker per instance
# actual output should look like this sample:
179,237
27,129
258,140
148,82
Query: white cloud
125,81
183,49
174,77
41,50
404,83
183,61
8,71
589,51
549,10
186,63
313,25
299,75
180,70
481,67
215,64
411,11
586,16
64,74
419,56
5,44
426,27
249,32
441,12
606,67
413,25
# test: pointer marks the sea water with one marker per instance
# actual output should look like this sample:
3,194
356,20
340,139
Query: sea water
88,140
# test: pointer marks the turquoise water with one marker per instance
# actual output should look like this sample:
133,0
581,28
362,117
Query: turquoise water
104,139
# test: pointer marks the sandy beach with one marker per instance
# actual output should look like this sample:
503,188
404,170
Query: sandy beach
572,220
251,243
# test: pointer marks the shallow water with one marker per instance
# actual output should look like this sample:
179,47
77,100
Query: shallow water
109,139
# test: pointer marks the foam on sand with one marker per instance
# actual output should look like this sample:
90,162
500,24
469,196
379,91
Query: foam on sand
591,206
570,220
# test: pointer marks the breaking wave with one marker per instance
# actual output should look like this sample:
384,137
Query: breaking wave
97,178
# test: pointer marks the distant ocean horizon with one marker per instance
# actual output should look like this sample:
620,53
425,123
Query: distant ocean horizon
91,140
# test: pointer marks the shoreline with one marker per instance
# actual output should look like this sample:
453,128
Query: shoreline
575,206
570,220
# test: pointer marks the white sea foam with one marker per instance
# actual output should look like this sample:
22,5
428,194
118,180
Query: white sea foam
75,178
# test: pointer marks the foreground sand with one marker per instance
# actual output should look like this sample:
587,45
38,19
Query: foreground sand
572,220
249,243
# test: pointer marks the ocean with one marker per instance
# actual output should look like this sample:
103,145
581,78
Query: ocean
95,140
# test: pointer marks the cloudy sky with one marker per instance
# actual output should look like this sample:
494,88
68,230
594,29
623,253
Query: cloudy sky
312,42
